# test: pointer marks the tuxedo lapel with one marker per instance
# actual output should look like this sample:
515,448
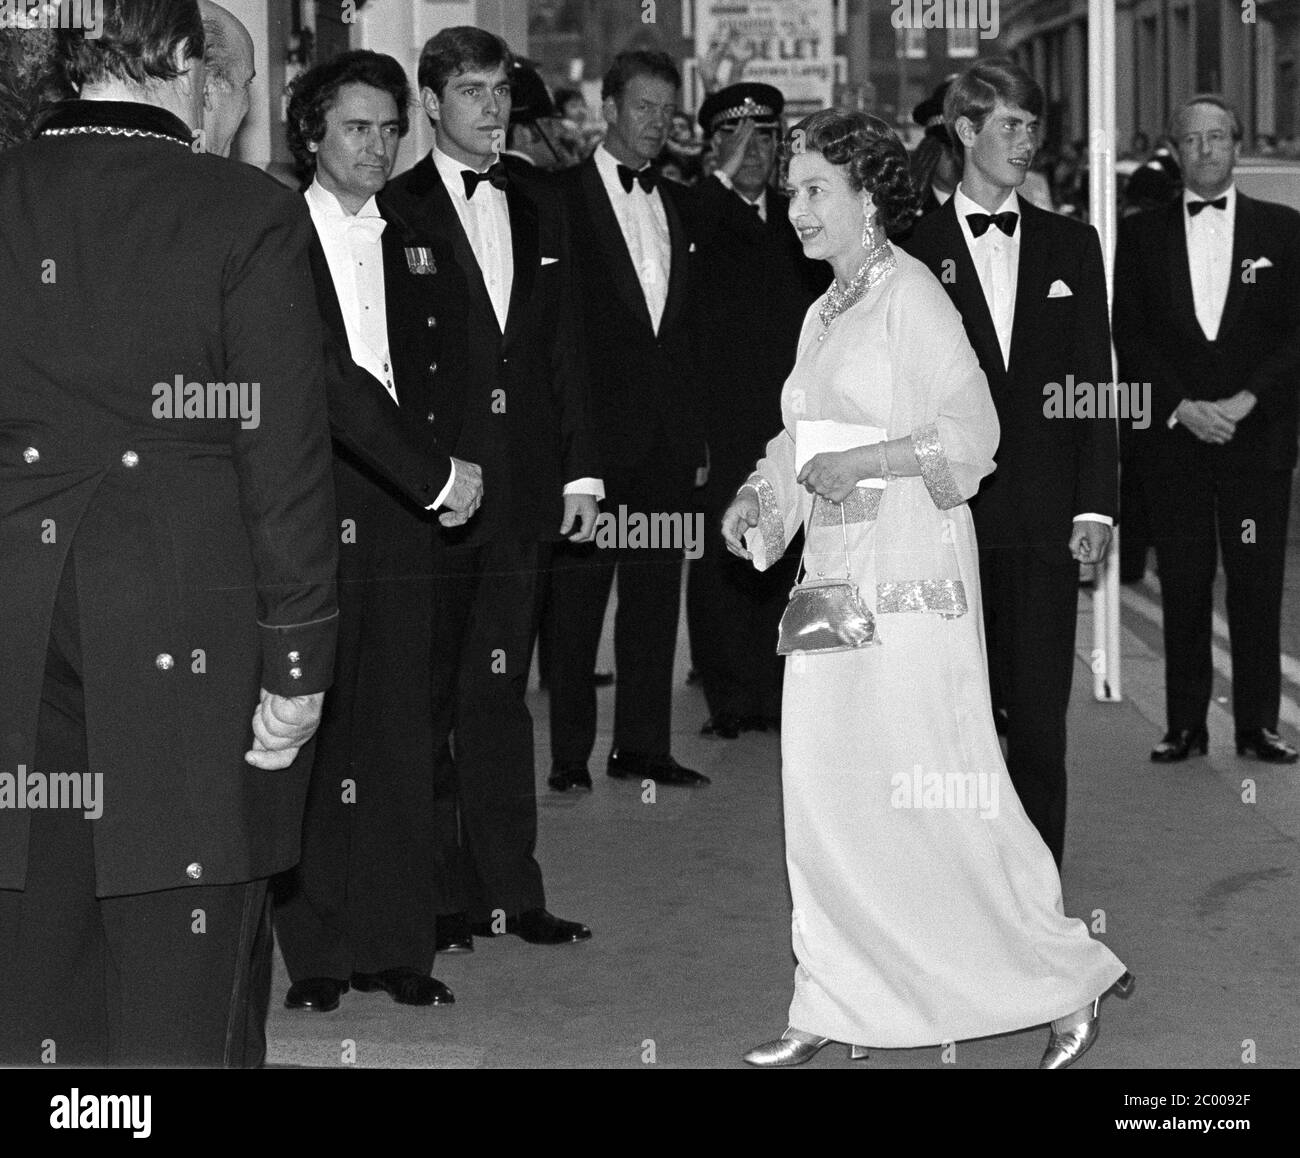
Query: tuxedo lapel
400,297
1180,273
678,269
524,243
1246,245
1031,293
605,227
967,293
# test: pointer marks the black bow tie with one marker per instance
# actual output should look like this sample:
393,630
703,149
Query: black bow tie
980,222
1194,207
643,177
495,174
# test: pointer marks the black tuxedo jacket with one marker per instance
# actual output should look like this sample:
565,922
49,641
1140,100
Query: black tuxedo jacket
751,287
1049,468
205,551
532,436
644,387
1159,340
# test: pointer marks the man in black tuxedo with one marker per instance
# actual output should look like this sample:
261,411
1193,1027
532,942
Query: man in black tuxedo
360,908
633,278
1031,289
1207,311
510,237
750,289
167,526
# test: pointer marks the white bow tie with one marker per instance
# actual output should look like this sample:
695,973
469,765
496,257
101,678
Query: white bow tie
370,228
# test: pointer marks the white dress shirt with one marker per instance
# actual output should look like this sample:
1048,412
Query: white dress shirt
356,260
485,217
1209,258
644,223
997,262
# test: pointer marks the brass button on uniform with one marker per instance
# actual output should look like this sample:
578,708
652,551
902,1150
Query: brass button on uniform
164,662
433,367
294,657
31,455
429,416
295,673
130,459
433,322
194,871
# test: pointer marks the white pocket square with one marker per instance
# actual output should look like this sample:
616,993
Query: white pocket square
1261,263
1060,290
549,260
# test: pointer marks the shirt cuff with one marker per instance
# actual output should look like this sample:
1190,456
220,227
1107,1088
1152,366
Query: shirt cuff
1106,520
1173,418
442,494
586,486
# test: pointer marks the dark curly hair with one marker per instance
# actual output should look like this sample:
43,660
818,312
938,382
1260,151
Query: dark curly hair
875,159
315,92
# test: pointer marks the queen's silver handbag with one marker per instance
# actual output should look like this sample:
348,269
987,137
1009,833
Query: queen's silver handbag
826,614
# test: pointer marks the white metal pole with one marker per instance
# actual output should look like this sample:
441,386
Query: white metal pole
1101,193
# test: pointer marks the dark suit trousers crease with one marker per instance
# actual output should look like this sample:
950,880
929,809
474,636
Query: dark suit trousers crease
645,639
732,613
1030,610
484,778
1193,501
124,980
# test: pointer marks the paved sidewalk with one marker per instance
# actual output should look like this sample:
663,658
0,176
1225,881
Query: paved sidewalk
690,964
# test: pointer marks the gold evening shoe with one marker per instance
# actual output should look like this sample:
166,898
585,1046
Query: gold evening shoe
1065,1047
794,1051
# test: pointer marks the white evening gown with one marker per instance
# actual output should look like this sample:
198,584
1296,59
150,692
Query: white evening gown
927,908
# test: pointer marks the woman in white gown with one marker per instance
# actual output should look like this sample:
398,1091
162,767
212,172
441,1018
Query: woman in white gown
927,909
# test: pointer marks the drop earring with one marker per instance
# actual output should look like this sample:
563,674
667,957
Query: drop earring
868,231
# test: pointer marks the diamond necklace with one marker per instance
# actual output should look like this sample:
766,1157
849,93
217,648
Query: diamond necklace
880,263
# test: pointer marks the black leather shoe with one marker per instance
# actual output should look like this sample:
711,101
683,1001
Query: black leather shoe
452,934
1178,744
319,994
660,769
405,986
1266,745
566,774
725,725
538,927
602,679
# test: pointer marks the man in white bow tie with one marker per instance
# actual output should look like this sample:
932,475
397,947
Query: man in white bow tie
1031,289
359,909
1207,310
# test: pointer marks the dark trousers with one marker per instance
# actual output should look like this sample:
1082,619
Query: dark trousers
732,613
179,977
1030,610
645,638
1194,503
485,620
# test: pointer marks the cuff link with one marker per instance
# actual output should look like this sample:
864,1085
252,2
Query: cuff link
164,662
31,455
130,459
294,657
194,871
295,673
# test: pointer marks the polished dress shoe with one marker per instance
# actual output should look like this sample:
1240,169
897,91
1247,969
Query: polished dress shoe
405,986
793,1048
725,725
1178,744
566,774
1067,1045
537,927
1266,745
319,994
660,769
452,934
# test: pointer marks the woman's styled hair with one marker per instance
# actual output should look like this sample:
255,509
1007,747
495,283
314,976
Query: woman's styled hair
315,92
136,43
629,65
875,159
976,92
457,50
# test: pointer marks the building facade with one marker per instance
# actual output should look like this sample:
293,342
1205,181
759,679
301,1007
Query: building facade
1166,51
